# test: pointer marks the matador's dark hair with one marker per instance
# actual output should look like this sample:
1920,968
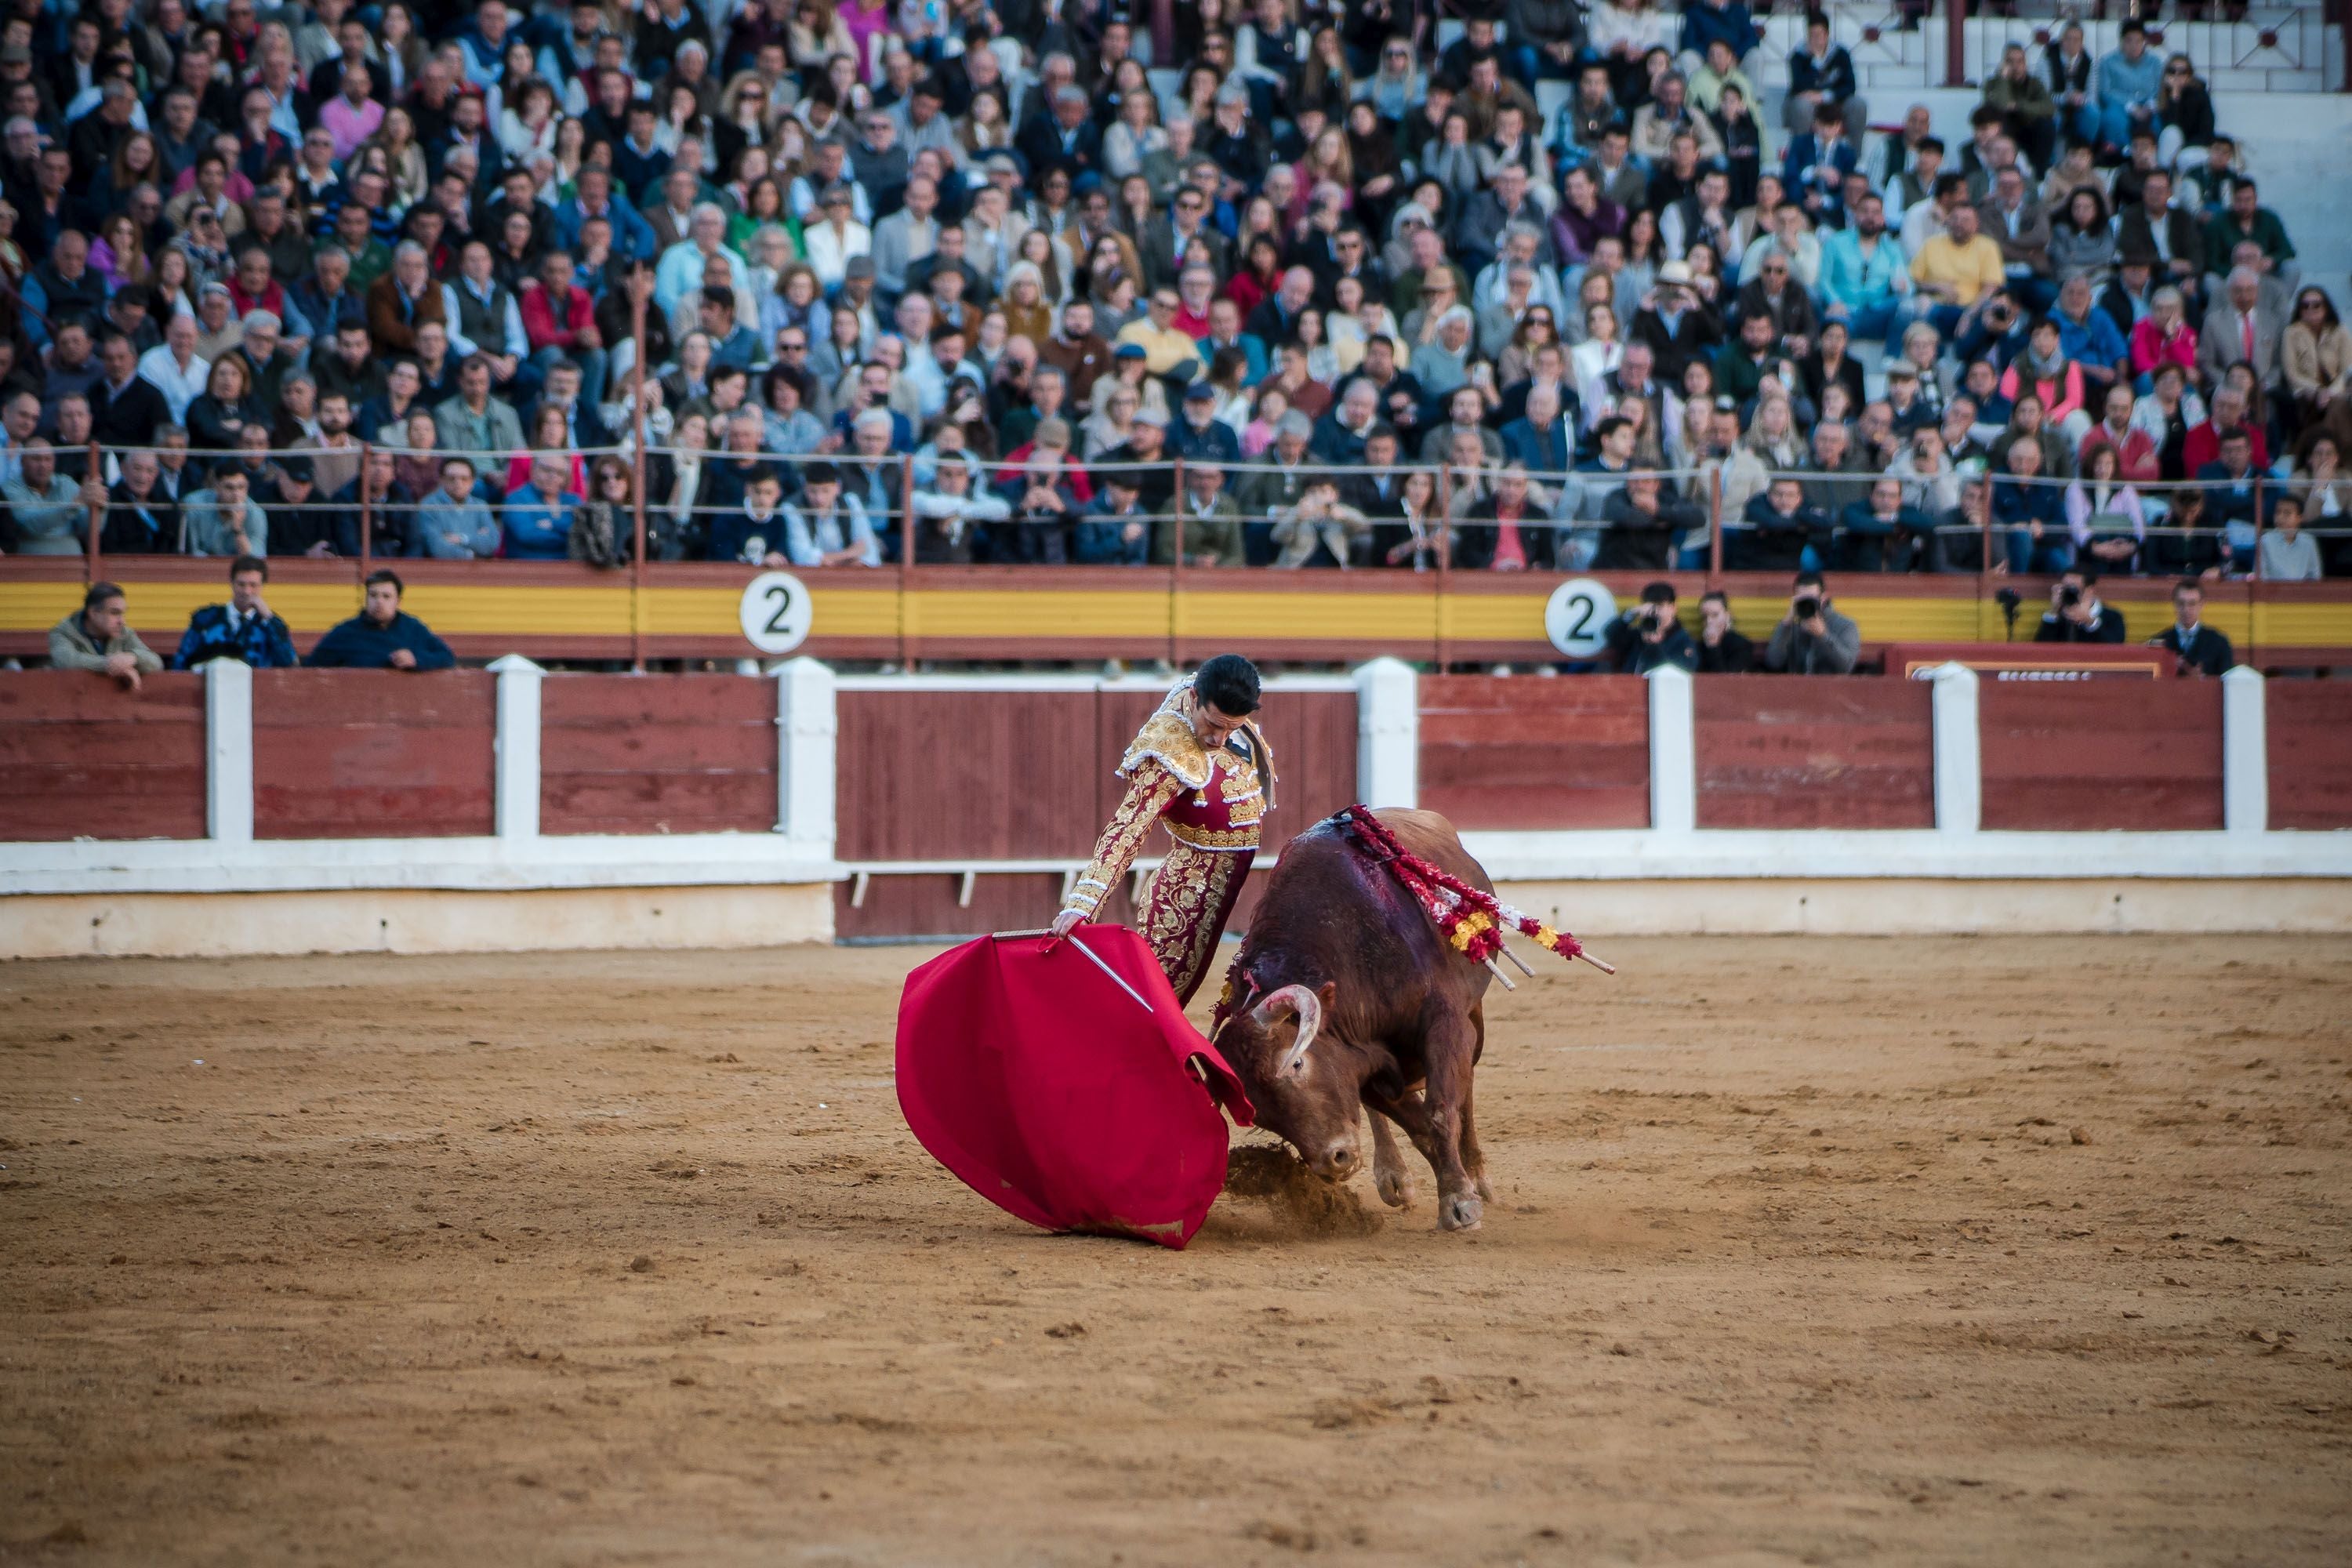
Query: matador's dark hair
1229,684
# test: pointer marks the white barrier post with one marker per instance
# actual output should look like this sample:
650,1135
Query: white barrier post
2245,753
806,725
228,750
1959,751
1673,752
515,794
1388,733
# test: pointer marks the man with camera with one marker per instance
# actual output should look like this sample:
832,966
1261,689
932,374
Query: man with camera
2075,614
1648,637
1813,638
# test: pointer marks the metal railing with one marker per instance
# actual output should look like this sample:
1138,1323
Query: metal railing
1563,513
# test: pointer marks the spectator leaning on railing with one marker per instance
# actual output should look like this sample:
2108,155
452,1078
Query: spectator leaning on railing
98,638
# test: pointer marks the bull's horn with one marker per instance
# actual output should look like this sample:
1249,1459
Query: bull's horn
1298,999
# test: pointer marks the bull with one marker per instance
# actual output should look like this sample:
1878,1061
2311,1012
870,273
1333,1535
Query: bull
1345,998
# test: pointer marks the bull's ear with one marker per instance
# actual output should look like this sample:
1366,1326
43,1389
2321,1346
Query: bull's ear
1325,993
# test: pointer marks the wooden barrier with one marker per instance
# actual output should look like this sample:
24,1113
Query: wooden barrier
1027,774
82,758
2309,727
657,753
342,753
1776,752
1534,754
2069,756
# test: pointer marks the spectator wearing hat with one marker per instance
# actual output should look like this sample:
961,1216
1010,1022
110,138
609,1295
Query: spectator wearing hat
244,628
299,523
1677,325
1198,434
382,635
97,638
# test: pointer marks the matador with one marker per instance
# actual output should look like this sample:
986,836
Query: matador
1200,767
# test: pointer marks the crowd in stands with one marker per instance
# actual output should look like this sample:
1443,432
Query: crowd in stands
1029,280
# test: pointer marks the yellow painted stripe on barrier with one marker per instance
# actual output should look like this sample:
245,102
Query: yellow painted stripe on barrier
1018,615
1336,616
307,606
457,609
2295,625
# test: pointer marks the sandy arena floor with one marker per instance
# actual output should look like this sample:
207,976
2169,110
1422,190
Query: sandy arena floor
1818,1251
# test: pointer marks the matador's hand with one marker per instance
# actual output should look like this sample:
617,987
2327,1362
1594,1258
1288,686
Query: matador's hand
1067,921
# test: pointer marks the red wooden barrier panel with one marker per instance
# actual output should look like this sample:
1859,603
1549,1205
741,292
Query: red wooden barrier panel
1781,752
656,754
1013,774
2107,754
1527,753
965,776
342,753
82,758
2310,730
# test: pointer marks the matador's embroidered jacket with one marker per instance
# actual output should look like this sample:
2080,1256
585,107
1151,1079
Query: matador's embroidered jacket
1211,800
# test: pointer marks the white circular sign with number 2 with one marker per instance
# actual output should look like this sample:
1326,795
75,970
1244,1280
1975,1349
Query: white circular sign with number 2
1577,618
777,612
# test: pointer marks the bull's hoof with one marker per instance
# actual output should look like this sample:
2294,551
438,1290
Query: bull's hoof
1460,1211
1395,1188
1485,1190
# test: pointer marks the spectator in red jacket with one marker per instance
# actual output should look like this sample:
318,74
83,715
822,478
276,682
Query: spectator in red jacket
559,321
2203,443
2135,448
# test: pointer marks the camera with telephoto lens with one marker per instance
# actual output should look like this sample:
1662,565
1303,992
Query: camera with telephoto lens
2069,597
1808,607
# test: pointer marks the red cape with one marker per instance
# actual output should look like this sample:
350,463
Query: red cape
1055,1094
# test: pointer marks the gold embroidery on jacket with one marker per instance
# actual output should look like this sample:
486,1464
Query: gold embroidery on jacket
1148,793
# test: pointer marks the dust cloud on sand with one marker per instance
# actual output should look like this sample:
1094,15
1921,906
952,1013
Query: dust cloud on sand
1800,1251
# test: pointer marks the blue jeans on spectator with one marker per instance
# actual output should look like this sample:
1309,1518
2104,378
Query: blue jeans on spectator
2240,534
1692,557
2082,124
2053,552
2035,293
1877,321
2116,121
1945,318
